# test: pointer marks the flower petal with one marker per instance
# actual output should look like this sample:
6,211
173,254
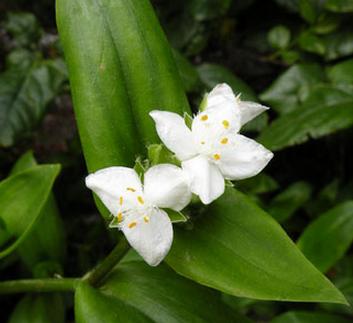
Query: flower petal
114,187
219,94
174,133
205,178
167,186
151,235
243,158
250,110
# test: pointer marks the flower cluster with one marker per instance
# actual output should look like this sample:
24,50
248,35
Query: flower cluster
211,152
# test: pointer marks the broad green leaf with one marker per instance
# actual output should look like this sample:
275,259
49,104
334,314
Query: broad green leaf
339,5
286,203
188,73
308,10
309,317
39,308
25,91
279,37
291,5
46,242
292,87
121,67
213,74
135,292
22,198
327,238
307,122
239,249
341,73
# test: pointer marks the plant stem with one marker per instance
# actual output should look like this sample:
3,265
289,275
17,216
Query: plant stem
38,285
95,276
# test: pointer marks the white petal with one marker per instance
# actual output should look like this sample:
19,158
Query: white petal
112,185
250,110
167,186
243,158
206,179
174,133
151,235
219,94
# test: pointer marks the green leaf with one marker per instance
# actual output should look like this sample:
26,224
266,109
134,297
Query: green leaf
23,27
292,87
308,10
39,309
237,248
46,242
311,43
338,44
22,198
307,122
121,67
25,91
279,37
258,184
188,73
339,5
327,238
285,204
308,317
341,73
213,74
135,292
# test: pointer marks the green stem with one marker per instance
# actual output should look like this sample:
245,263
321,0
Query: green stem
95,276
38,285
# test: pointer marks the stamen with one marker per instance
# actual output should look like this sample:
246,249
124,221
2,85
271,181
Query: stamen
146,219
130,189
217,156
204,117
132,224
225,124
120,217
140,200
224,141
121,200
202,142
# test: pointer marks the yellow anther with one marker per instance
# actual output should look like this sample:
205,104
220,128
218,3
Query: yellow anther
121,200
120,217
146,219
224,141
202,142
130,189
225,124
132,224
217,156
204,117
140,200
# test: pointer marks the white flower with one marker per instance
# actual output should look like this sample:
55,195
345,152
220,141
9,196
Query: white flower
212,150
137,208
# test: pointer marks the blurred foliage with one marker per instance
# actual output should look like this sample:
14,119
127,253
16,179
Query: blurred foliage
295,56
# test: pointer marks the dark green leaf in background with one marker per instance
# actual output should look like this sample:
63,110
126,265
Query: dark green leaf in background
22,198
327,238
339,5
46,242
39,308
292,87
286,203
26,88
279,37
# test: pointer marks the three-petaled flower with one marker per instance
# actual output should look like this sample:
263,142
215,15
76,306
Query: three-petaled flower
137,207
212,150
